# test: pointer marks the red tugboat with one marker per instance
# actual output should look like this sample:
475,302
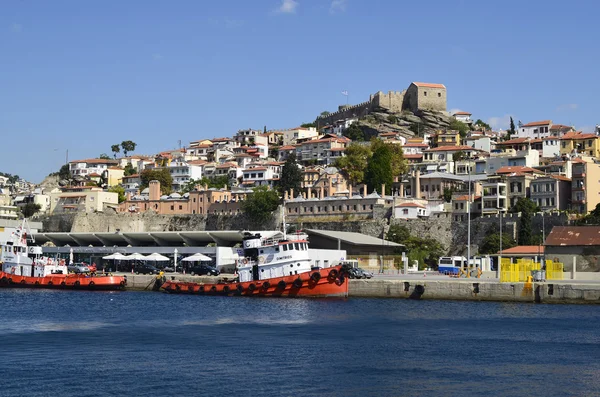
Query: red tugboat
272,267
20,270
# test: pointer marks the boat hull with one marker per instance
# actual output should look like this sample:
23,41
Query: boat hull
330,282
63,281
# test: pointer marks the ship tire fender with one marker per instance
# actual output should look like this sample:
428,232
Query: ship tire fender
37,283
252,287
23,281
339,281
266,285
298,283
92,285
333,273
10,281
50,282
191,289
315,277
3,280
178,288
63,284
240,289
213,288
77,283
226,289
281,285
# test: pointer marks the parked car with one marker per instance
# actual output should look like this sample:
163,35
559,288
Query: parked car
145,268
78,268
357,272
204,269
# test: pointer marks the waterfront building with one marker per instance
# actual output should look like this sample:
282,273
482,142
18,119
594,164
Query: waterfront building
552,192
410,211
82,199
585,186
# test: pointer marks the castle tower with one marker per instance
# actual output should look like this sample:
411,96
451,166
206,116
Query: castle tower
154,187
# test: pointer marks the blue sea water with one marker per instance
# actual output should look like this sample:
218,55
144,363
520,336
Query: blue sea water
70,343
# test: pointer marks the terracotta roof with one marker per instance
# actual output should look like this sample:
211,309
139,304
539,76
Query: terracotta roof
221,139
288,147
131,176
517,169
95,161
93,174
462,113
559,127
574,236
513,141
537,140
452,148
429,85
413,156
413,205
578,135
537,123
561,178
524,250
228,165
256,169
197,162
466,198
414,144
204,145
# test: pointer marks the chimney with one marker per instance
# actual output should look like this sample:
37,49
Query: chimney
154,186
292,193
285,195
382,189
401,190
322,192
350,190
330,190
309,193
364,190
417,193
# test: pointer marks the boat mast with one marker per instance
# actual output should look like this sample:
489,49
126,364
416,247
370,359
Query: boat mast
283,225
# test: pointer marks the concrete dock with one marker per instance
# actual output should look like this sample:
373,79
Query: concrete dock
442,289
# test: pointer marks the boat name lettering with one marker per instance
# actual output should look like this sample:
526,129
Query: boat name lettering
284,257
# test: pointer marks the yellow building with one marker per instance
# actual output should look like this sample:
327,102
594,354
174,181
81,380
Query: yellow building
82,199
584,144
447,138
585,189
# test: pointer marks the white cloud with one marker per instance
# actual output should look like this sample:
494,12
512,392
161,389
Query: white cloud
287,7
337,6
566,107
502,122
16,28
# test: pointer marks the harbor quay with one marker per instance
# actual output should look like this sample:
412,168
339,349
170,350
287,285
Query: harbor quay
565,291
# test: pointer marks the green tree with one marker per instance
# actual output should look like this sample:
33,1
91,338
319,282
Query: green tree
354,132
459,126
30,209
120,190
162,175
491,243
128,146
511,130
379,170
398,163
291,176
129,170
325,114
483,125
459,156
525,205
115,149
309,125
354,163
65,172
525,231
104,156
448,194
426,251
260,205
217,182
593,218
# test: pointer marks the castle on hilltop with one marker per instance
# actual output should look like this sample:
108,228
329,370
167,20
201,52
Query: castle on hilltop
418,96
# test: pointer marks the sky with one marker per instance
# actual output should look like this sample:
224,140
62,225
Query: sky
79,76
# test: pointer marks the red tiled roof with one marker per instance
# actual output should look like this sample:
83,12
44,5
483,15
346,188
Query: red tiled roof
197,162
452,148
95,161
288,147
466,198
537,123
131,176
429,85
517,169
524,250
513,141
413,144
413,156
559,127
256,169
578,135
413,205
462,113
561,178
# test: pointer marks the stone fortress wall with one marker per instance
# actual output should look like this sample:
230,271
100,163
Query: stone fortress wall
414,98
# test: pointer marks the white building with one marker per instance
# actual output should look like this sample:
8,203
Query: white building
464,117
90,166
551,147
295,135
409,211
512,158
535,129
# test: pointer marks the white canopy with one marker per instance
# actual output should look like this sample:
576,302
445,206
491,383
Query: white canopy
157,257
116,255
134,257
197,257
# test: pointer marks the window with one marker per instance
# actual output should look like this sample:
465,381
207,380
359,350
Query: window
424,93
439,94
172,208
405,211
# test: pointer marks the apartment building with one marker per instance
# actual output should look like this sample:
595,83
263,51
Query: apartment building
552,192
585,186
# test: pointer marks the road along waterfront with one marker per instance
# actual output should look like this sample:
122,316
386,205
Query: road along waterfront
412,287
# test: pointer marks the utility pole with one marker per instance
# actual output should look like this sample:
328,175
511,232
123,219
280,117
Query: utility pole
469,218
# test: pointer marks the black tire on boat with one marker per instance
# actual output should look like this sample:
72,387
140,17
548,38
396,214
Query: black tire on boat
239,289
37,283
3,280
50,283
77,283
333,273
63,284
252,287
23,282
315,277
266,285
281,285
339,281
178,288
298,283
226,289
213,288
92,285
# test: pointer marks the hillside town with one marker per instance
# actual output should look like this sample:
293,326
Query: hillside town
446,157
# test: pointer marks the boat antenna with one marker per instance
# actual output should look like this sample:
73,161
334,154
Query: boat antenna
283,225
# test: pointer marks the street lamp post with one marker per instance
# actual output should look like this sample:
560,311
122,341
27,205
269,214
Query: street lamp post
469,219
